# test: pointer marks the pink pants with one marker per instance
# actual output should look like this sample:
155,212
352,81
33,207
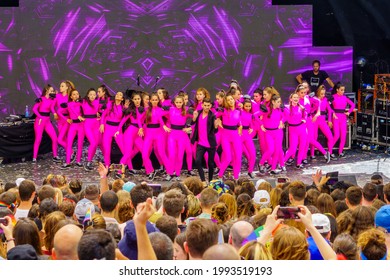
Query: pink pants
274,139
323,125
311,140
340,130
188,150
249,149
297,138
40,125
75,129
109,132
132,144
91,130
176,146
231,152
152,140
63,127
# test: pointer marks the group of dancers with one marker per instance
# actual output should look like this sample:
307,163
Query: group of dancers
142,122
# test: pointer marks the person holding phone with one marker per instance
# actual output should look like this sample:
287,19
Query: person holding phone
205,127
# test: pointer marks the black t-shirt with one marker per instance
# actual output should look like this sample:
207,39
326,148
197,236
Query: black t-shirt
314,80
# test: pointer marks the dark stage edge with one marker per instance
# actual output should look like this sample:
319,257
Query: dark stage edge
9,172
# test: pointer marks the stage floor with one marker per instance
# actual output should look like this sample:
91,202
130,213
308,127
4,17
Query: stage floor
361,164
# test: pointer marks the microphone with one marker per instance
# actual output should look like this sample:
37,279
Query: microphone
157,78
138,81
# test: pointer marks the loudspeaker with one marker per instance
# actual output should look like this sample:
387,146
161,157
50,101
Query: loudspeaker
364,126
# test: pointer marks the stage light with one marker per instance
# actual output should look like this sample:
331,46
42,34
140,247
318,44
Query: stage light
361,61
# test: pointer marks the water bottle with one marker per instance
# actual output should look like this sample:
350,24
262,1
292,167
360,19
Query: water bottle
27,112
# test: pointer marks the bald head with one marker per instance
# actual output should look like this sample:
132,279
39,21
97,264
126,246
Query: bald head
238,232
221,252
66,241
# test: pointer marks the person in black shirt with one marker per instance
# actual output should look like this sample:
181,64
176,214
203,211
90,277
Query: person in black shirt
315,77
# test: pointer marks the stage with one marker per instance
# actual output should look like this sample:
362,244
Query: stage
357,164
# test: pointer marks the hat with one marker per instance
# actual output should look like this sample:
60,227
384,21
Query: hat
92,192
18,181
82,207
321,222
128,186
259,182
219,186
382,217
22,252
128,244
261,197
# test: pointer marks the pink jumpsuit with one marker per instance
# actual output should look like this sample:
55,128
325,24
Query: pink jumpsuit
339,105
91,126
42,123
247,139
76,128
321,123
61,105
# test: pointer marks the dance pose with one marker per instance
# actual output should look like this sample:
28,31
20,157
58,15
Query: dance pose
163,96
272,124
177,137
61,114
248,146
320,122
90,108
42,109
109,124
205,127
154,123
76,128
231,137
340,116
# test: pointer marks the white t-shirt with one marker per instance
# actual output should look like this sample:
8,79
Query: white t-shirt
21,213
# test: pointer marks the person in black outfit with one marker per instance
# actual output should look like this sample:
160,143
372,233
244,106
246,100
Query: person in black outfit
204,134
315,77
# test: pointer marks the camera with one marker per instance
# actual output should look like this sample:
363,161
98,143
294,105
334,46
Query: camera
288,213
282,180
4,221
156,189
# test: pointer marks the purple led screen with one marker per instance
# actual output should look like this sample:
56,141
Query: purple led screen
186,43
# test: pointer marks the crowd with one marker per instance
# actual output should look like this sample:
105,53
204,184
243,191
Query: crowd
64,220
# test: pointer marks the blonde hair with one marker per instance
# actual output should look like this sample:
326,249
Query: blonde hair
254,250
219,211
231,204
194,208
372,244
289,244
275,196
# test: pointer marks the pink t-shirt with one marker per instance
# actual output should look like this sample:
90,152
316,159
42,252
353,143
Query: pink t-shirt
202,128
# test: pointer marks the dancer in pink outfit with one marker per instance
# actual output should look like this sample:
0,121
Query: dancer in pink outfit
90,108
248,146
272,123
231,137
105,100
177,137
319,120
109,124
76,128
154,122
61,114
340,116
42,109
132,137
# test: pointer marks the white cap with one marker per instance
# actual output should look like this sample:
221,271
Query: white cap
18,181
261,197
259,182
321,222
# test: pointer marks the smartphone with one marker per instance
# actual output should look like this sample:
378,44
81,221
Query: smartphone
4,221
288,213
281,180
333,178
156,189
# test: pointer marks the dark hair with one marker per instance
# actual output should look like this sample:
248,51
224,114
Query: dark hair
45,89
168,225
140,193
354,195
108,201
149,110
336,87
26,189
96,244
105,90
206,100
86,98
26,232
316,61
164,92
369,192
162,245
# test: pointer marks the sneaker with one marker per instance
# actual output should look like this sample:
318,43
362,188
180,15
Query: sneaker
34,160
133,172
88,166
313,157
66,166
216,171
327,157
333,157
250,174
191,173
168,178
305,161
300,166
290,161
342,155
56,159
275,172
262,170
283,168
79,164
267,165
268,168
151,175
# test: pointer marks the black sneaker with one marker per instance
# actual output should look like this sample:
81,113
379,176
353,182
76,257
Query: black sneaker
73,158
56,159
133,172
333,157
66,166
152,175
275,172
290,161
305,161
267,166
250,174
313,157
327,157
262,170
168,178
342,155
88,166
79,164
34,160
300,166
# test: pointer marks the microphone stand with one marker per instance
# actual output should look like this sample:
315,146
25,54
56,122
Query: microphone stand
155,85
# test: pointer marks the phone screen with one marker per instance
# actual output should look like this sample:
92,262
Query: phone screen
288,213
